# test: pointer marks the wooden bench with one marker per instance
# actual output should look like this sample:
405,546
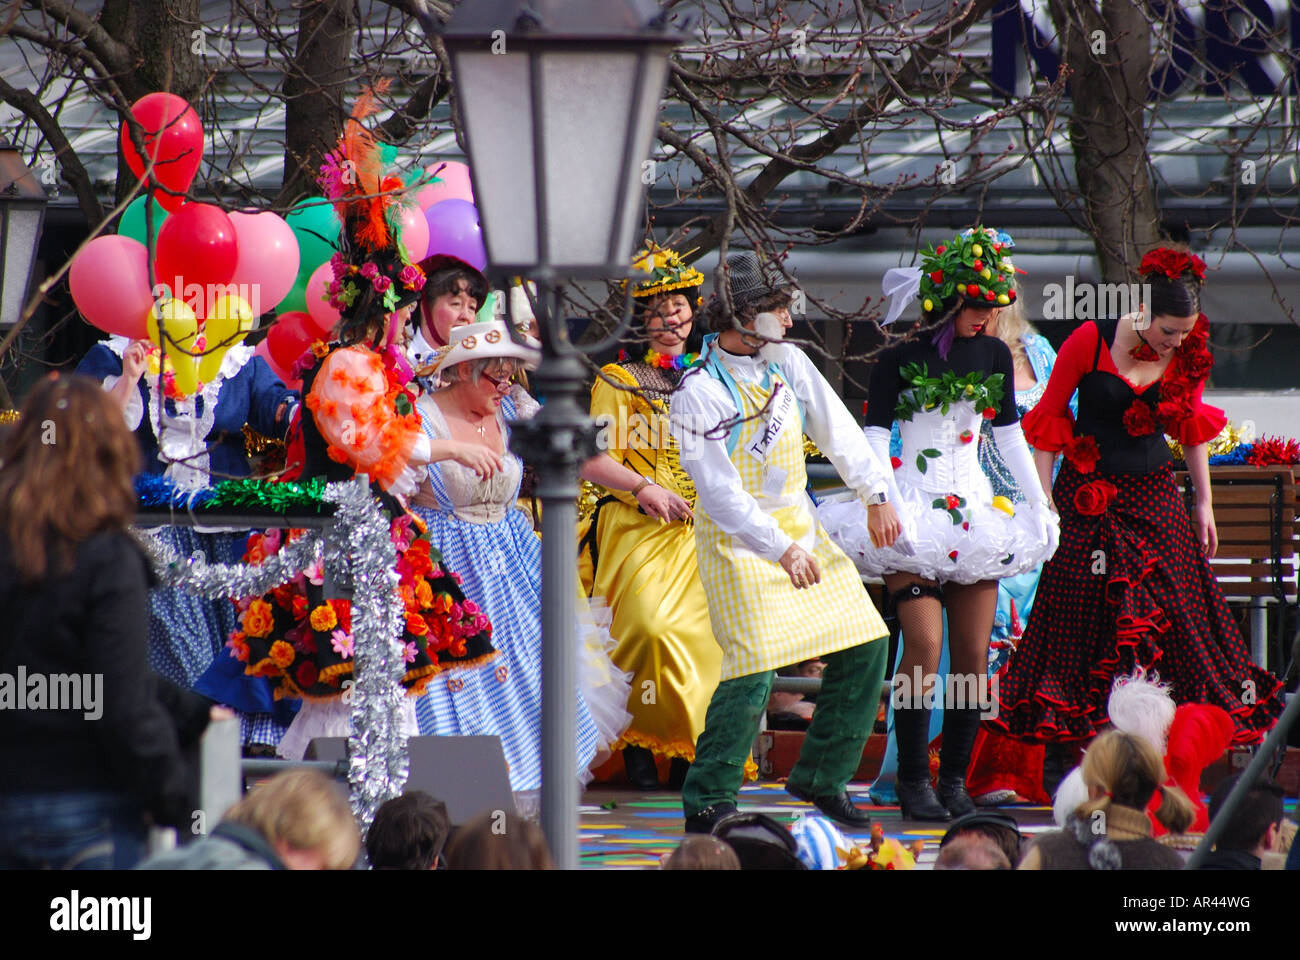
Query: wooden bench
1255,510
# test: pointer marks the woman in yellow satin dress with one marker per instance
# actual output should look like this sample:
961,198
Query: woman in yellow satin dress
638,549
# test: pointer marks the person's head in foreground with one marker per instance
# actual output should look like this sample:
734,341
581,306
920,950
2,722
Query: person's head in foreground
305,817
702,852
498,840
972,851
1001,828
408,833
1257,822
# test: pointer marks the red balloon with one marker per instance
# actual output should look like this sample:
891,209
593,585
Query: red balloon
197,254
309,324
287,339
173,138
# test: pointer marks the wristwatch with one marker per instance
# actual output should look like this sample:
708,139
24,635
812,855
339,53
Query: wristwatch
876,499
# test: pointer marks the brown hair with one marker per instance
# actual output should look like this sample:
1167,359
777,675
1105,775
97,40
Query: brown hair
305,810
702,853
499,840
1129,771
66,473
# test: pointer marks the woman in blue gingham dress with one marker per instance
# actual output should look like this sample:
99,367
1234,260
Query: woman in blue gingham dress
491,545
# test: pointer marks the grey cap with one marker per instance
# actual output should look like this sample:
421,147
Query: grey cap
748,280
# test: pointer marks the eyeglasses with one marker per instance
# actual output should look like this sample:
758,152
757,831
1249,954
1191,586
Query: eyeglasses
498,374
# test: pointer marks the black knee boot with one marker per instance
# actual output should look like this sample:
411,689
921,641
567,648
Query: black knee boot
916,796
1054,762
960,726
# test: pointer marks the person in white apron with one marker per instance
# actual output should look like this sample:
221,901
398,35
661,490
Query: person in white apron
779,590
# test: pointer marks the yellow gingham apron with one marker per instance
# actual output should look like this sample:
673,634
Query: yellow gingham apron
761,621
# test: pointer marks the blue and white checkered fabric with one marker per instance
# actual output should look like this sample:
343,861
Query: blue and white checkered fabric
819,842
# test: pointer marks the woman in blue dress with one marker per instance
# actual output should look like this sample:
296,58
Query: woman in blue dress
475,524
195,441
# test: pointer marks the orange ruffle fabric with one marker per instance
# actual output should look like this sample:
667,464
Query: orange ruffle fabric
354,413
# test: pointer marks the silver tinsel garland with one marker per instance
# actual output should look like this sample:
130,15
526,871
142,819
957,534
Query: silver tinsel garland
366,555
359,556
215,581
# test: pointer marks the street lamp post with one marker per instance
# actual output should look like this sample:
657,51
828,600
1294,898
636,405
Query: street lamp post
22,211
558,100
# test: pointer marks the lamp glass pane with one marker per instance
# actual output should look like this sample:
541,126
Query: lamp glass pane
587,98
654,77
496,110
19,245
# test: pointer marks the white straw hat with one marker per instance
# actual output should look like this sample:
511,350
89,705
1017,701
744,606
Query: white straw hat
486,341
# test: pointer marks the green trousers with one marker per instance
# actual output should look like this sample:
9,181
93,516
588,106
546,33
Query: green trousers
832,749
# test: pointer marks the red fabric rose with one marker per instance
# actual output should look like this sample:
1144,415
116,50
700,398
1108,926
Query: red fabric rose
1196,366
1138,420
1092,499
307,674
1172,263
1174,390
895,462
1082,453
952,501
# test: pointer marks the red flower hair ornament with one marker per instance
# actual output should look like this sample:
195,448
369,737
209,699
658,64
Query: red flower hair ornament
1172,264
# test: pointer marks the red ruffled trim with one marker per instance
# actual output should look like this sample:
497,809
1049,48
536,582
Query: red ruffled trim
1084,723
1045,431
1202,426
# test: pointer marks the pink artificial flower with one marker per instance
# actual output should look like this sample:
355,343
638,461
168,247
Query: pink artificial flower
412,278
381,284
370,271
315,573
409,653
480,623
342,643
243,603
470,607
271,541
338,265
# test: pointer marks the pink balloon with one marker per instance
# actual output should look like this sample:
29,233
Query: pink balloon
454,230
413,231
268,259
455,184
326,317
110,285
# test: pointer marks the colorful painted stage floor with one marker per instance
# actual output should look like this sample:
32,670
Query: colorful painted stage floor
623,829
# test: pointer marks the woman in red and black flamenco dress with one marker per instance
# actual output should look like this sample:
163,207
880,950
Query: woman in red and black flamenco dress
1131,584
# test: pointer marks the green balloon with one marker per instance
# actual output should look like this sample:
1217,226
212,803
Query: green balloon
132,223
316,225
296,298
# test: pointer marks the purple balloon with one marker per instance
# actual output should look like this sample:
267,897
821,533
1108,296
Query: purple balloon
455,232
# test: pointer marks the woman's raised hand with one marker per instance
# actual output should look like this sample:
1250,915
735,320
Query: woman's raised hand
482,460
135,359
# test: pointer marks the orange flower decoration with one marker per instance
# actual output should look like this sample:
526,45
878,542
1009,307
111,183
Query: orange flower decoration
423,593
257,620
282,654
416,626
323,618
441,603
343,610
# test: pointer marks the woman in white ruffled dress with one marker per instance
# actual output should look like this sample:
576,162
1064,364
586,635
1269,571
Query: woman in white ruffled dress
956,543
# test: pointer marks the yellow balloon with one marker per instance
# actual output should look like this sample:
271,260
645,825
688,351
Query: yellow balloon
230,319
175,319
1003,504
